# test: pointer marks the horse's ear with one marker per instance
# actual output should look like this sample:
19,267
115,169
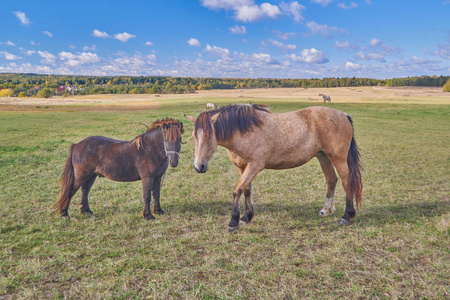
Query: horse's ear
213,118
180,125
192,119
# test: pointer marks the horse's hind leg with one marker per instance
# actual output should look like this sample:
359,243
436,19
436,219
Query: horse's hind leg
330,175
85,188
343,170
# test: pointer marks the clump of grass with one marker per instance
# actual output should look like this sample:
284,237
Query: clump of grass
396,248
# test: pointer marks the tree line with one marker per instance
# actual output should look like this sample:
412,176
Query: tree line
26,85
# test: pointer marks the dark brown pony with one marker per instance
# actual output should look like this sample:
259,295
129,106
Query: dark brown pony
146,158
258,139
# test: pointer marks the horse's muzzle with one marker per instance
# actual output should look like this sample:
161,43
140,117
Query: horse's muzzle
201,169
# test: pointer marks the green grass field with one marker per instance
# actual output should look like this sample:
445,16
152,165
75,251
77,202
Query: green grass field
397,248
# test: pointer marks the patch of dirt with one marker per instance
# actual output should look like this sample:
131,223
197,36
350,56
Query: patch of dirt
420,95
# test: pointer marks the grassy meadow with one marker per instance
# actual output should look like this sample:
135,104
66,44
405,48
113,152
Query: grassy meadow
397,248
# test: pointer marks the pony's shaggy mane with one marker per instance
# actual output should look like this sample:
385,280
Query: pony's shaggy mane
242,117
174,131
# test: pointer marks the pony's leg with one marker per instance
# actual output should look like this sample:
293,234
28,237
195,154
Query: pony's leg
65,210
330,175
248,191
85,188
244,183
156,193
247,217
147,185
343,171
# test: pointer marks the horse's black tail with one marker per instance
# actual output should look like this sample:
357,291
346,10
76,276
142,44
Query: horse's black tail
67,180
354,165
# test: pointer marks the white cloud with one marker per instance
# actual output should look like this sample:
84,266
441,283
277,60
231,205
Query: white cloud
48,33
352,66
72,47
369,2
237,29
74,60
444,51
284,35
322,2
92,48
9,56
47,58
32,43
194,42
100,34
293,9
324,30
124,37
29,52
310,56
342,45
282,46
148,43
9,43
260,58
22,17
244,10
220,52
345,6
370,56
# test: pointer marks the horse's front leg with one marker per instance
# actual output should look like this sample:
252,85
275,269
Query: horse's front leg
244,184
248,215
156,194
147,185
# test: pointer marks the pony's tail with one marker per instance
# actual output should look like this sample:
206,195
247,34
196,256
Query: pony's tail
354,165
67,180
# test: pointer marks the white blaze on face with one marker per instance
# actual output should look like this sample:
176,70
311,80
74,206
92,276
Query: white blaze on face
199,142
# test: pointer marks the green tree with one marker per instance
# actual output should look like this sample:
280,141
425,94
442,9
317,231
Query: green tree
22,94
6,93
447,86
45,93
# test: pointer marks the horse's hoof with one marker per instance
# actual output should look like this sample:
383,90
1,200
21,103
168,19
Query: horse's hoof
242,222
149,217
88,212
159,212
67,217
344,222
234,229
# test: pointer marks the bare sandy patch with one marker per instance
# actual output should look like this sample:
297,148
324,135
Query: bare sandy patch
411,95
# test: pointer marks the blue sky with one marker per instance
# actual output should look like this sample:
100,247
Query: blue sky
227,38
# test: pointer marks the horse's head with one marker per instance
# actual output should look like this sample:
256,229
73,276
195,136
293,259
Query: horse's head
205,140
172,141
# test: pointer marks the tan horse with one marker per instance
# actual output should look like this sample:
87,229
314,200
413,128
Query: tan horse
258,139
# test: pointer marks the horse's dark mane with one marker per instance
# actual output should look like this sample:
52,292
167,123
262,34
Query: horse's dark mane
173,132
242,117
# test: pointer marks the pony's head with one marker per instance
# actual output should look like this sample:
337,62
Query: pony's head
172,130
205,139
220,125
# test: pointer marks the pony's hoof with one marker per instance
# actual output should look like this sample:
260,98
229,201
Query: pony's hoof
242,222
67,217
149,217
159,212
88,212
234,229
344,222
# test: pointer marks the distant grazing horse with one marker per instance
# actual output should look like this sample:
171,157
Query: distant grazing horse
258,139
211,106
326,99
146,158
